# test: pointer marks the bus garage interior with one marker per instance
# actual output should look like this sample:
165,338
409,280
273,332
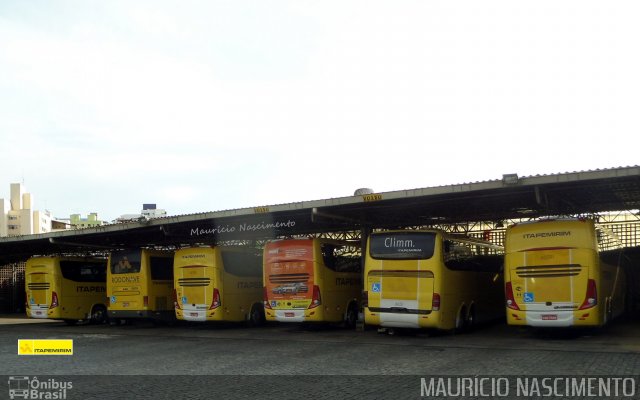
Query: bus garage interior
481,210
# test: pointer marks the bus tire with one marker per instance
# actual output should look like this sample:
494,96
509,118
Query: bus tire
608,312
98,314
461,318
351,316
256,316
470,321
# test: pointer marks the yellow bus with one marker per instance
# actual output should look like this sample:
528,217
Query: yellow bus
218,284
140,285
312,280
66,288
555,277
431,279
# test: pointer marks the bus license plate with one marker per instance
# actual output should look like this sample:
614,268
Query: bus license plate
193,314
38,312
550,317
289,314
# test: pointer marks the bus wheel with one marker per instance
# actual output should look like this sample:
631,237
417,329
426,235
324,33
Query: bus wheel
460,320
98,315
351,317
470,322
608,312
256,317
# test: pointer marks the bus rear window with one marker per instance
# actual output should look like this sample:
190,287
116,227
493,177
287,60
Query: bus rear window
125,262
402,245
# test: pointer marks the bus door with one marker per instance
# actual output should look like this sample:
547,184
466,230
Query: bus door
550,283
403,285
40,288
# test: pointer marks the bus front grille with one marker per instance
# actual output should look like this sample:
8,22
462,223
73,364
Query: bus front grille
548,271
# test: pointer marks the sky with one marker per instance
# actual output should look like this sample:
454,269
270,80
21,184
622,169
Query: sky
210,105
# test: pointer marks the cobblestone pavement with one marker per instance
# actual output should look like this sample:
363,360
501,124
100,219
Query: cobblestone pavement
276,361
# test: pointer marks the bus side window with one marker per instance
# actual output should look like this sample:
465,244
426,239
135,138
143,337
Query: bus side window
161,268
341,258
328,256
348,264
242,263
80,271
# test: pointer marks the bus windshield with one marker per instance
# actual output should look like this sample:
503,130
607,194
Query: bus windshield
402,245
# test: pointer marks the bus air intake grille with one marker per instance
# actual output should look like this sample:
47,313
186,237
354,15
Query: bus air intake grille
194,282
548,271
38,286
288,278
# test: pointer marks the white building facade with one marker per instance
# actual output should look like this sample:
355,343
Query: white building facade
149,211
17,216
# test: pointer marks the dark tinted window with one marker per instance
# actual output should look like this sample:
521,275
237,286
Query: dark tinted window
470,257
125,262
341,258
84,271
242,264
402,245
161,268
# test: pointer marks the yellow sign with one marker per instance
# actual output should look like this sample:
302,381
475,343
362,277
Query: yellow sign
372,197
45,347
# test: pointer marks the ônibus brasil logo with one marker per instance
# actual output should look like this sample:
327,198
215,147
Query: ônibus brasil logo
23,387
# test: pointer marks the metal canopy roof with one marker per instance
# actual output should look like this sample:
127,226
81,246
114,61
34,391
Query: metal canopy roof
574,193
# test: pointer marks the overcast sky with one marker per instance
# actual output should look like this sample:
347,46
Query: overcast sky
210,105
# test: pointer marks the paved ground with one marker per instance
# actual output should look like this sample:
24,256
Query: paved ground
278,361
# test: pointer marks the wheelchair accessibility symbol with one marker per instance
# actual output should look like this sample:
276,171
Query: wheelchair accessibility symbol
528,297
376,287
